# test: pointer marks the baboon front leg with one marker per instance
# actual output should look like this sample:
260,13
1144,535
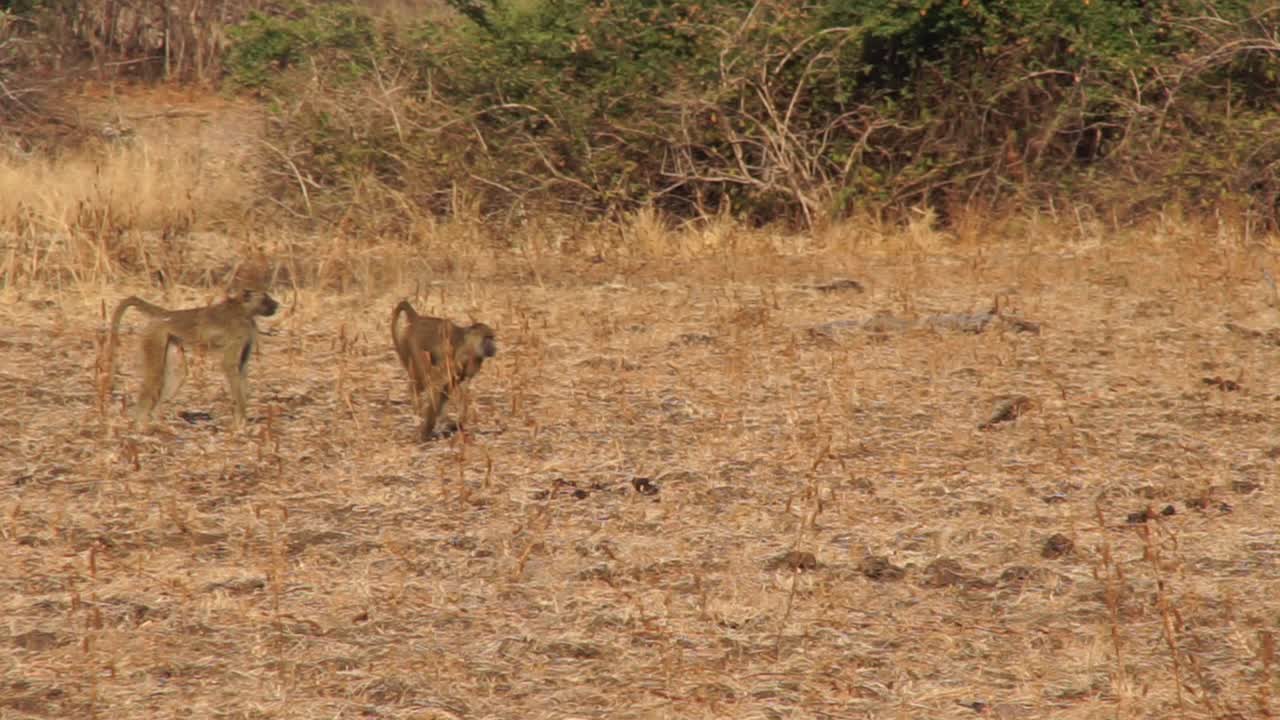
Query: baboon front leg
155,355
462,407
235,365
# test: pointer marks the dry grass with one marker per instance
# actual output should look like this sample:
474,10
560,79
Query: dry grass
324,565
147,168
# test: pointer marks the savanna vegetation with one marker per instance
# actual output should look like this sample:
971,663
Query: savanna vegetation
770,111
855,359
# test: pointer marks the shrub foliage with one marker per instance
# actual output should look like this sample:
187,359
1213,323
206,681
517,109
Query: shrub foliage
774,110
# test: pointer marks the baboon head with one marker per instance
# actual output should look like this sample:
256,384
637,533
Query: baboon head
477,344
480,336
257,302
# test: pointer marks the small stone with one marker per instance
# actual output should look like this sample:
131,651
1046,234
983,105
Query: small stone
1008,409
877,567
1056,546
945,572
839,285
644,486
798,560
1245,487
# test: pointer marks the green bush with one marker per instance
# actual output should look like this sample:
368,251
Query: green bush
264,45
779,110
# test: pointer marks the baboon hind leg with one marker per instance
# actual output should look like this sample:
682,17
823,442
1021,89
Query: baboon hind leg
175,371
416,396
434,401
417,364
155,356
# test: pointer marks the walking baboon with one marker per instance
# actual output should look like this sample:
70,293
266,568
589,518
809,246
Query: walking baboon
439,356
227,328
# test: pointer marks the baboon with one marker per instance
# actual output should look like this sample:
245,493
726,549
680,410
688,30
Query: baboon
439,356
227,328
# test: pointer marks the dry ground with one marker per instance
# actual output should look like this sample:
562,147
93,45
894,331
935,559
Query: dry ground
831,534
322,564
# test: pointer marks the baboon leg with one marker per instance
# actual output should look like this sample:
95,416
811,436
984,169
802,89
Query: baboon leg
429,391
418,365
433,408
175,373
462,408
416,395
155,354
235,364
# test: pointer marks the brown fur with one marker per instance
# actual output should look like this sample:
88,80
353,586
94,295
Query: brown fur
227,328
439,356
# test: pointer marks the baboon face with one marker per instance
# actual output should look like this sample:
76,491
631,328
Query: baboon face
258,302
482,335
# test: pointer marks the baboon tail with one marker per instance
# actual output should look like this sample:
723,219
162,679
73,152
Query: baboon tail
113,340
407,309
